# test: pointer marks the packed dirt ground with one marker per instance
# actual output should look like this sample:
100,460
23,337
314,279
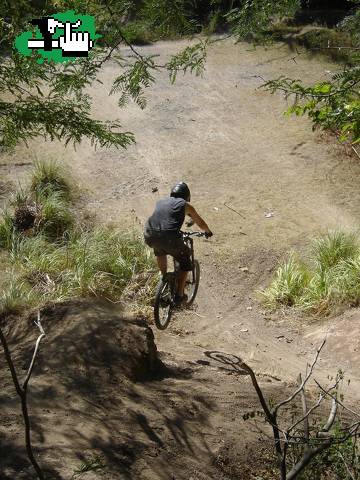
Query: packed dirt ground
243,160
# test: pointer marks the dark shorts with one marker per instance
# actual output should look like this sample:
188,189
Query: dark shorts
170,244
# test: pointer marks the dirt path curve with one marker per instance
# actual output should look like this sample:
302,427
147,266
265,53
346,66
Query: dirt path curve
232,144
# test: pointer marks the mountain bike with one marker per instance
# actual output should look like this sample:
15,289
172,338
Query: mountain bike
166,290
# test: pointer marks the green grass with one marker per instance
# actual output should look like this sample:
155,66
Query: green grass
102,263
51,176
290,280
17,296
334,247
330,278
318,41
57,259
55,217
138,33
6,231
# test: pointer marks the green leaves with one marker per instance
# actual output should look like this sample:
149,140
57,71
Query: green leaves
60,119
333,105
191,58
134,80
254,17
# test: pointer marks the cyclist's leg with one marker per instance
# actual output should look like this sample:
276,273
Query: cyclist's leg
162,263
182,253
156,243
182,276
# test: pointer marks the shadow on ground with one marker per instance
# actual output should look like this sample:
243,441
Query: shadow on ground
99,388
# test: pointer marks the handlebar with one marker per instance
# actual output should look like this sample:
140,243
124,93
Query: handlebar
194,234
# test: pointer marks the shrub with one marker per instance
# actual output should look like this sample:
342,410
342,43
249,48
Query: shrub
319,40
138,33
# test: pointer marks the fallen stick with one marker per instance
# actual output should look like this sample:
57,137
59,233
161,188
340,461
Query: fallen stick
357,153
230,208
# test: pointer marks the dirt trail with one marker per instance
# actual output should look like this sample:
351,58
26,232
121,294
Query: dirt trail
232,144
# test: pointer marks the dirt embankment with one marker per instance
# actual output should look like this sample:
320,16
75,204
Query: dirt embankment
237,151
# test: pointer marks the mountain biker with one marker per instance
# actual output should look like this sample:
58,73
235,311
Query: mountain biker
162,233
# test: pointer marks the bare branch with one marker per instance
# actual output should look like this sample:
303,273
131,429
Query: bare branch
356,152
22,392
337,400
331,419
309,454
305,409
307,414
40,337
303,383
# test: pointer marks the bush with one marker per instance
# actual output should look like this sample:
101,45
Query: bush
319,40
138,33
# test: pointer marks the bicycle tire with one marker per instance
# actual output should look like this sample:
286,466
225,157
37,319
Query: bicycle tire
194,284
158,308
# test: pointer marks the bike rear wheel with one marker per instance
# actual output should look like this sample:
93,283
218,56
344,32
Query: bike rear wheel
163,304
192,284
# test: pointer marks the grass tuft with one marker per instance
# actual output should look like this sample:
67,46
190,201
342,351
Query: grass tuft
52,260
55,217
334,247
48,177
7,231
331,279
288,285
17,296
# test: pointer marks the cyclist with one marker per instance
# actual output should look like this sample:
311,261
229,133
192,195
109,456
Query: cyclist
162,233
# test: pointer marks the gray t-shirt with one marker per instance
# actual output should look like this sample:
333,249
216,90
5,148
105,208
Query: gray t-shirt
168,216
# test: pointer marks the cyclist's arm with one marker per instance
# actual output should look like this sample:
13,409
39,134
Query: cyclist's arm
190,210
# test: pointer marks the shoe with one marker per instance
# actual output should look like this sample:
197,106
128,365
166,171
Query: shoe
180,301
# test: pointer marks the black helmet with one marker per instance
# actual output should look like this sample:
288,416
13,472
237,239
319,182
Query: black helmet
181,190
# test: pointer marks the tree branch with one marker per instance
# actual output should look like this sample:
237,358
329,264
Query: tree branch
22,392
305,409
40,337
303,383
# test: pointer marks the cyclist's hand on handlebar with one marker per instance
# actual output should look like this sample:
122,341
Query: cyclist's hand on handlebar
208,234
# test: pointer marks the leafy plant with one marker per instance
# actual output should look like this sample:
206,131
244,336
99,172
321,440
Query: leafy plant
93,464
253,18
334,104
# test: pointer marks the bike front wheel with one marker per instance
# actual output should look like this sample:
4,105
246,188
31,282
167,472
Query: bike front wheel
163,304
192,284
